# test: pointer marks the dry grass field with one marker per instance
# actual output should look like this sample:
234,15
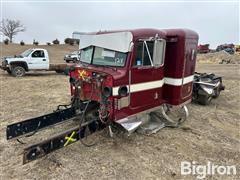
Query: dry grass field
219,57
211,133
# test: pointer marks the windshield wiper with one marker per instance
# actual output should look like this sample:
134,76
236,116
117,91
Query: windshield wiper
106,66
84,63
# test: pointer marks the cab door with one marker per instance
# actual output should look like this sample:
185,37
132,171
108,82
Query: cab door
146,76
38,60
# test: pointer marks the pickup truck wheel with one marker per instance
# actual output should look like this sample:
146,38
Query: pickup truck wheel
18,71
74,60
9,71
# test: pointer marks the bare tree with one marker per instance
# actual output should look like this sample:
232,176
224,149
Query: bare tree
10,28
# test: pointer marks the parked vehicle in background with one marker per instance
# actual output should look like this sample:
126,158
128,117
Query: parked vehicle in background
30,60
72,57
229,48
237,48
203,48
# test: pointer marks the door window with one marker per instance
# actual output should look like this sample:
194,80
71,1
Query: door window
144,53
38,54
150,53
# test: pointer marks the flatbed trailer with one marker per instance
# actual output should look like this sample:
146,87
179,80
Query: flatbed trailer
59,68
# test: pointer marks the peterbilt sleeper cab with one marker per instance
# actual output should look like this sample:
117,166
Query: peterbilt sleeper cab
127,80
125,75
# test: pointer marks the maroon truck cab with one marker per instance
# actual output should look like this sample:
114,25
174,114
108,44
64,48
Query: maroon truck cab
139,79
131,72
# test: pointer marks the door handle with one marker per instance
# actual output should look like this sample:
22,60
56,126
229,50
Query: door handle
44,59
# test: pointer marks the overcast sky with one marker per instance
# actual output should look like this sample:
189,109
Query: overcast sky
216,22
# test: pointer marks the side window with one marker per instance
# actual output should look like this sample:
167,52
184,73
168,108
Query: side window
138,61
38,54
159,52
144,53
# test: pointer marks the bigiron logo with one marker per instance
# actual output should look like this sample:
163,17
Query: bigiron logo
201,171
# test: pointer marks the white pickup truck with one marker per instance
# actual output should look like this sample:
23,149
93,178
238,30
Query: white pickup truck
72,57
31,59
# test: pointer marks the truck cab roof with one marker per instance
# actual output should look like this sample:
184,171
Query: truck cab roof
121,40
138,33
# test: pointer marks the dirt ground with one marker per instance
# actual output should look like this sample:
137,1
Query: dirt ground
211,133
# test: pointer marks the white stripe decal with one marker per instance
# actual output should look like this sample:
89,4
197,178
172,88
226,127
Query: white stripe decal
155,84
172,81
178,82
188,79
146,86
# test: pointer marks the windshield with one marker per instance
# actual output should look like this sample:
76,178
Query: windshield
103,57
26,53
86,55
